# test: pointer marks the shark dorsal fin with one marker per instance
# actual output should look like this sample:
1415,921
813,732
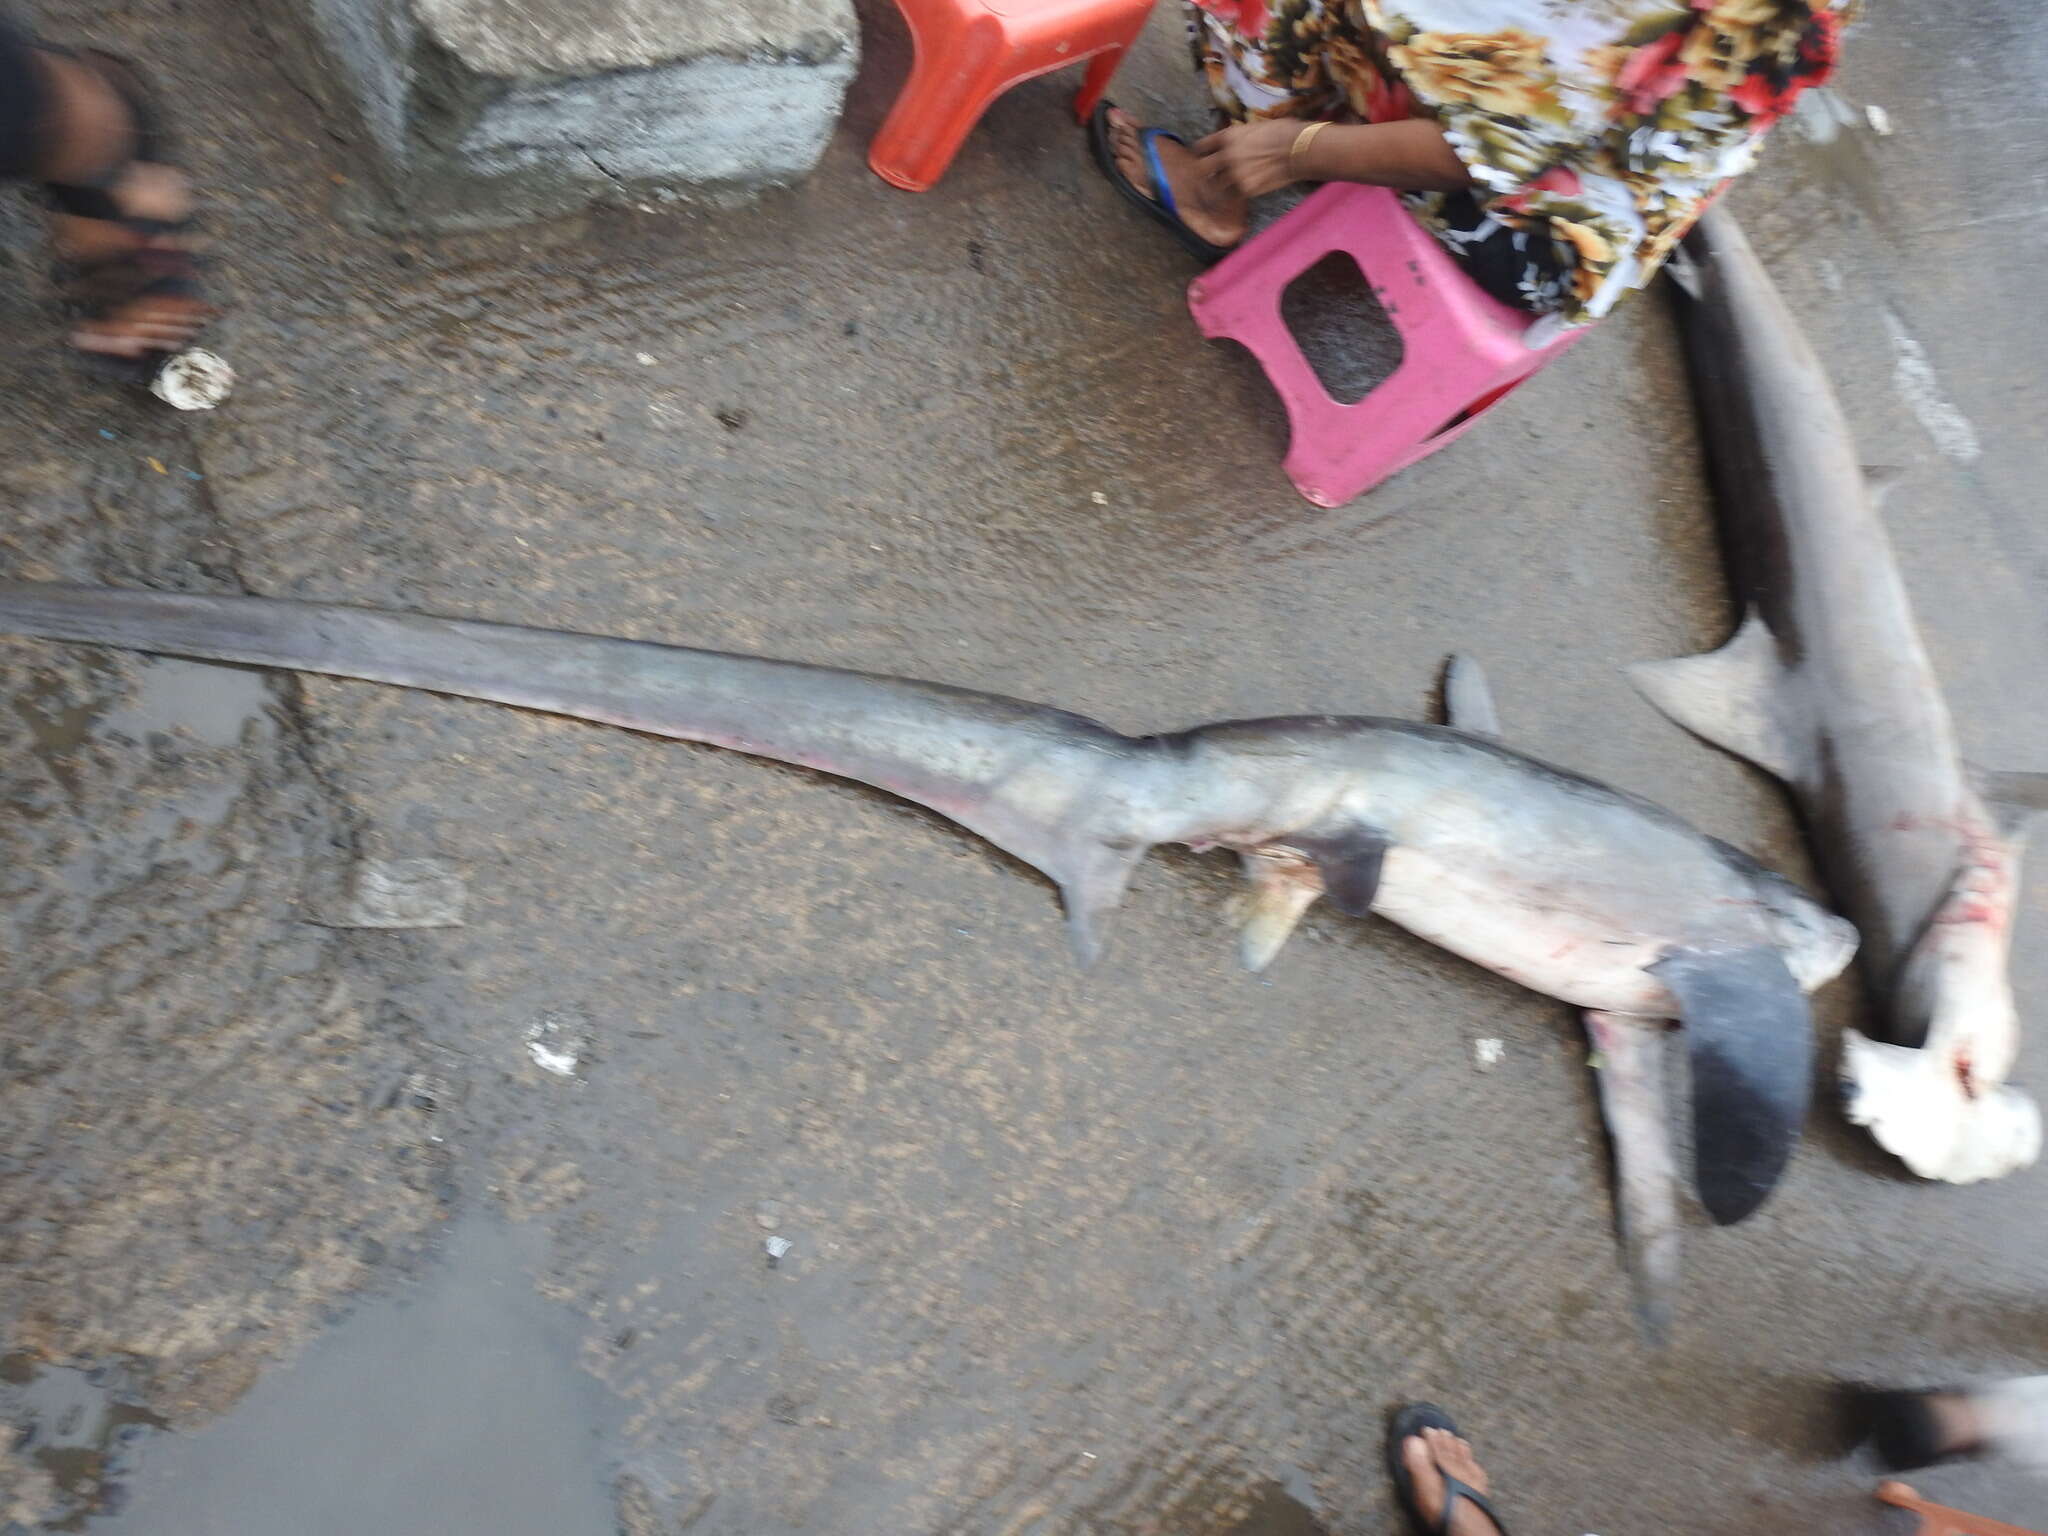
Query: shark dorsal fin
1736,697
1468,699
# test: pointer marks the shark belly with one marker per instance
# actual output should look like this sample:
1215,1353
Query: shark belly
1546,935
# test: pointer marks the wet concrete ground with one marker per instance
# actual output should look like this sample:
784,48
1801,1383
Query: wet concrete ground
1150,1251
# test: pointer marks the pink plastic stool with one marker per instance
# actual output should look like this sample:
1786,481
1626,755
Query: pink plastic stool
1461,349
968,52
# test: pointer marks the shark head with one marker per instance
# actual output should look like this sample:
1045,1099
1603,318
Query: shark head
1944,1109
1924,1112
1816,943
1954,991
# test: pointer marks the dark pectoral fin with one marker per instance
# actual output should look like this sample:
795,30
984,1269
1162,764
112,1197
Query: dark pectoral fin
1350,866
1749,1034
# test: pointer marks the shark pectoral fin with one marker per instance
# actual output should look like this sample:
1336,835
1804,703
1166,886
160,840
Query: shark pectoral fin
1734,697
1284,885
1350,863
1468,699
2015,798
1749,1036
1628,1053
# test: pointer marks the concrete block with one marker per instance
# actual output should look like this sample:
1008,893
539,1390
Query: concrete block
483,112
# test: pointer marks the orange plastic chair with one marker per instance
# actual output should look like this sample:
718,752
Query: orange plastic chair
968,52
1940,1520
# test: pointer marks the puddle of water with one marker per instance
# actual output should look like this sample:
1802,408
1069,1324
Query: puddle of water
56,728
1278,1513
1218,1505
211,701
459,1408
53,726
76,1425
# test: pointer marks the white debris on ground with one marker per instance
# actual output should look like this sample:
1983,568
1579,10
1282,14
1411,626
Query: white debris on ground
396,893
1487,1053
194,380
1880,120
776,1248
555,1044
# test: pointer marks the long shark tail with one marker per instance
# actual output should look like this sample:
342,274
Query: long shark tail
1921,1108
1628,1056
1057,790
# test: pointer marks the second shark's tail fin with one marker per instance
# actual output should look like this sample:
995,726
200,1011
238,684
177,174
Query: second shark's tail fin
1922,1108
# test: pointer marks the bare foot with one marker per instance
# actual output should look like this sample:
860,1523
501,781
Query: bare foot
1220,221
1429,1455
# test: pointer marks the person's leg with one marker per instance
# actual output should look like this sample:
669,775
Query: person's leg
1910,1429
1915,1429
21,102
120,224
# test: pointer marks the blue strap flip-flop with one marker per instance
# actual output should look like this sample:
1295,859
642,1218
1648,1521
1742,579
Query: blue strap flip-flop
1160,205
1408,1423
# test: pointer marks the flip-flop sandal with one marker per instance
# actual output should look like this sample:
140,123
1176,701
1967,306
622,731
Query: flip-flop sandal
1408,1423
1160,205
157,267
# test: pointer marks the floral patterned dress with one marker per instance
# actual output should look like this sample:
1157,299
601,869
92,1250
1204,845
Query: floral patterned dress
1594,130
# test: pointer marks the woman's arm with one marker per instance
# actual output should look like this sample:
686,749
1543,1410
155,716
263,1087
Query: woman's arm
1413,156
1251,159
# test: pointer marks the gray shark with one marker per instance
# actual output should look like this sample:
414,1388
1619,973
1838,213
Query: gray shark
1572,888
1826,685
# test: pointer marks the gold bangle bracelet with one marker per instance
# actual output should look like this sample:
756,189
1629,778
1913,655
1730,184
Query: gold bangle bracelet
1301,141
